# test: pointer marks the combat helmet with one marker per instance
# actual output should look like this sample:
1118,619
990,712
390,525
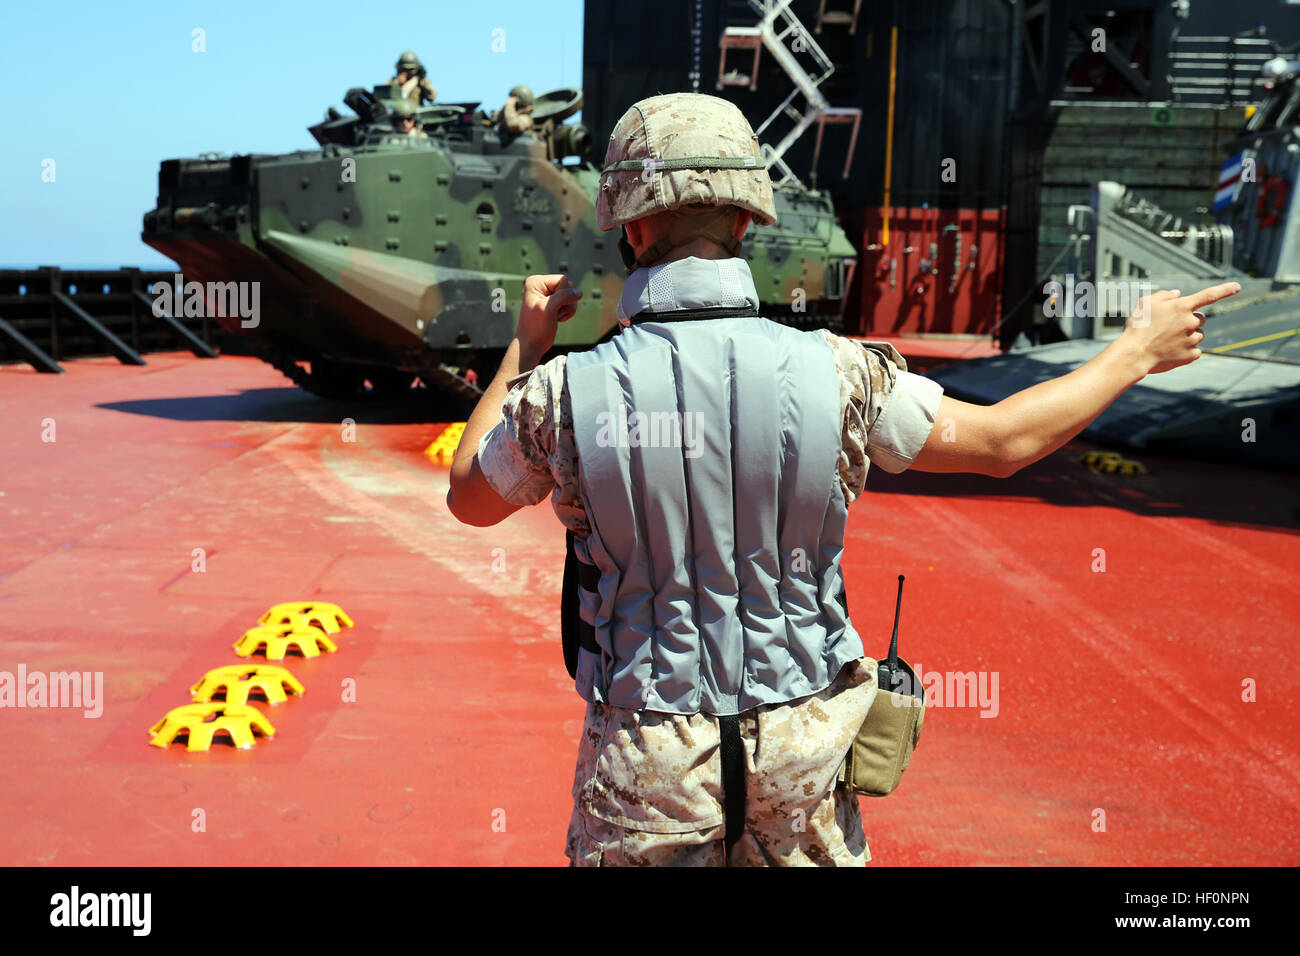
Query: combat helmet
408,62
678,150
523,96
402,108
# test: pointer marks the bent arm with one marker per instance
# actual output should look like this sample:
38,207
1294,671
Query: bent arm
1001,439
470,498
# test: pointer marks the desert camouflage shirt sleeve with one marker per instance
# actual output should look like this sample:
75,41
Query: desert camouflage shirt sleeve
533,451
888,411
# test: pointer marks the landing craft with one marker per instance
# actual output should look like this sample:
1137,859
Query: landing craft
383,258
1241,400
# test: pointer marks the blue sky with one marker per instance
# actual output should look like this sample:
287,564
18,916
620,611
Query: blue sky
108,90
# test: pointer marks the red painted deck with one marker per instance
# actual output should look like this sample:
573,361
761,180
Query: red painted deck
1118,691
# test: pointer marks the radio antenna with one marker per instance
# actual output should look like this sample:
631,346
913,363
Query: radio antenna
893,641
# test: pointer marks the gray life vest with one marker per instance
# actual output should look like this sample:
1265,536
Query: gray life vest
708,465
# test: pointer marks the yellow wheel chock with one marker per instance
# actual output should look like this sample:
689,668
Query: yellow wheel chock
201,722
444,446
240,680
277,641
1110,462
330,618
1099,460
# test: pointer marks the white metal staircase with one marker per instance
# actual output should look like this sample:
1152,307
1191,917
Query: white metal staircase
777,23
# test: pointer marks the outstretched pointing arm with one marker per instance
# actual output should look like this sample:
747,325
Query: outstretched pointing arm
1162,334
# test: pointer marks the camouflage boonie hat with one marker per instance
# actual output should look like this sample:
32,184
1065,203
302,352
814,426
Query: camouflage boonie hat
682,149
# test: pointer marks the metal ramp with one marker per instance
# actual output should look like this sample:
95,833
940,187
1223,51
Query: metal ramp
1122,242
1127,246
1133,233
778,23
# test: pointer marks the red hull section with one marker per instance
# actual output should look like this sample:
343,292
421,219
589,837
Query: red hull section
938,273
1118,691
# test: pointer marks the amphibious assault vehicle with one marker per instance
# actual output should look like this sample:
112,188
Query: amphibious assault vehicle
387,260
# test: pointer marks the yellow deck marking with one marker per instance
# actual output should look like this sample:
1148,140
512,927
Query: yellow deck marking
1262,338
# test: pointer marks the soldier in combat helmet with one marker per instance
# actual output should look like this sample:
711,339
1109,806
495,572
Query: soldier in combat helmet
516,115
405,118
411,77
703,461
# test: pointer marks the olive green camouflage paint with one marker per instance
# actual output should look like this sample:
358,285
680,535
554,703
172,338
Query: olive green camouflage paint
419,236
387,252
424,237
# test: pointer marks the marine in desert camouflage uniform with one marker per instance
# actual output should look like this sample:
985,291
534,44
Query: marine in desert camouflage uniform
516,117
411,77
647,787
648,784
794,813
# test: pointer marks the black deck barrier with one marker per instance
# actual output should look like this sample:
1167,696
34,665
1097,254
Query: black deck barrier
51,314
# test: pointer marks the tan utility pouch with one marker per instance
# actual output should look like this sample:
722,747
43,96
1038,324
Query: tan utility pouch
884,744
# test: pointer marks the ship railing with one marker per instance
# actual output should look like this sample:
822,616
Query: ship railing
1219,70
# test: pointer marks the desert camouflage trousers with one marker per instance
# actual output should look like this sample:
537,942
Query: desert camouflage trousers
648,786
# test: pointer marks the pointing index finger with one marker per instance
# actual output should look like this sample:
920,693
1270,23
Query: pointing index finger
1199,300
